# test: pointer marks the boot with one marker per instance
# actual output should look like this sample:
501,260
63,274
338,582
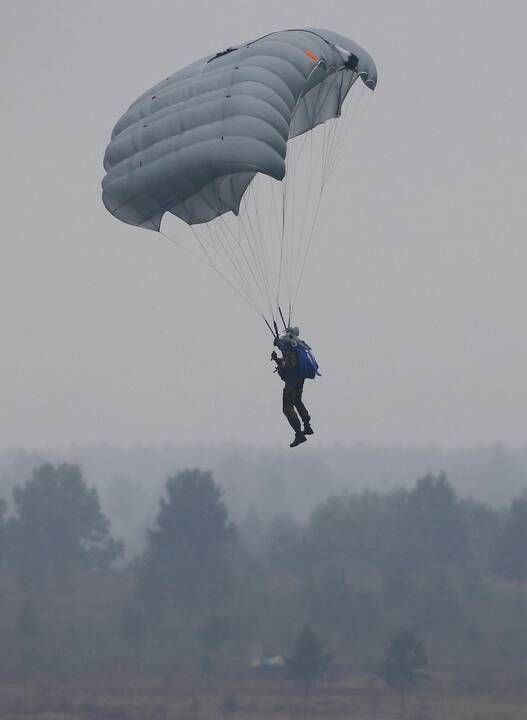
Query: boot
308,430
299,438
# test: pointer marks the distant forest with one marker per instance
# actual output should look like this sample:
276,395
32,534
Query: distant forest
264,482
208,590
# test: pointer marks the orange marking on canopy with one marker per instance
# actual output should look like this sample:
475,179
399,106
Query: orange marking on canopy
312,56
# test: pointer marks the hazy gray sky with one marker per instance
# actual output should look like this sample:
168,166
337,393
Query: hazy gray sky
415,293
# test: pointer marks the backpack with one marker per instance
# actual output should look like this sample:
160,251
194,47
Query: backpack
307,364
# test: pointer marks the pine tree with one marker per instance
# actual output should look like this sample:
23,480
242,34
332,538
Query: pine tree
402,666
309,662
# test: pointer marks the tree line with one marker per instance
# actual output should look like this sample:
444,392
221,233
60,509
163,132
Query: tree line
207,593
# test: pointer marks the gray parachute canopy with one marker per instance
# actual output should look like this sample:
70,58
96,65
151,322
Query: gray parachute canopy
193,143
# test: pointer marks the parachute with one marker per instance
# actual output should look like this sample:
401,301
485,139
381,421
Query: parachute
239,146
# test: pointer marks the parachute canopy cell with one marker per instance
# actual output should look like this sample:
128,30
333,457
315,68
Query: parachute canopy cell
192,144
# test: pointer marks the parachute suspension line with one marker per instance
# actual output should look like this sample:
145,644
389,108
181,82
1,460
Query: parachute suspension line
354,108
254,243
336,143
288,214
228,260
237,282
273,231
236,265
291,166
223,261
329,141
237,262
356,113
258,257
266,217
239,239
227,251
299,146
329,136
265,234
246,237
327,125
186,249
261,245
282,238
257,254
210,265
306,253
342,130
292,257
299,242
277,214
250,300
226,229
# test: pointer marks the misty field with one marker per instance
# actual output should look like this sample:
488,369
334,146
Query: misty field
139,698
409,604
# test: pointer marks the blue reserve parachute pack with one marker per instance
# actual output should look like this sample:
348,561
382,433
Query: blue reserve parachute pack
307,363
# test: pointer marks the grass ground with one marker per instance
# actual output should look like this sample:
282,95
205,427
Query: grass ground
114,698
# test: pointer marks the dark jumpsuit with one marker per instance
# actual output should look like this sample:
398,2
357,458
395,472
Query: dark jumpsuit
293,388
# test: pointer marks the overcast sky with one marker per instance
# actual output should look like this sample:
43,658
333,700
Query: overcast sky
415,295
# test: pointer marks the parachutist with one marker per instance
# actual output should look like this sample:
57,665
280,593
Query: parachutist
294,367
216,133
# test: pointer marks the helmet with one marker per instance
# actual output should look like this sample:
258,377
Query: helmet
290,337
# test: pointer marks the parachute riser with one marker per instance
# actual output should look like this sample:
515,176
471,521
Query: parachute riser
274,328
282,316
274,332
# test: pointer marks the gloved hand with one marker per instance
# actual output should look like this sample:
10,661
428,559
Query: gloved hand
274,356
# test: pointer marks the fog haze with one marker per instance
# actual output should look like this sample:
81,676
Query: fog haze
414,297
